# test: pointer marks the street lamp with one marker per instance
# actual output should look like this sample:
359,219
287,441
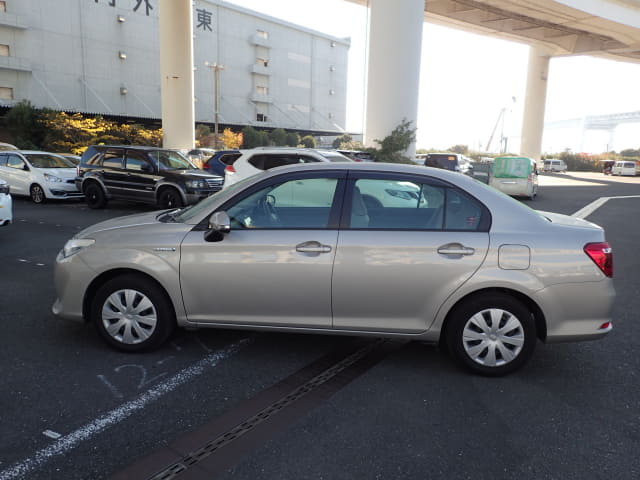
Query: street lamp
216,67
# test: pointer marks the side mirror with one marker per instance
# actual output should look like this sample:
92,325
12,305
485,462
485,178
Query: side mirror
25,167
219,225
145,167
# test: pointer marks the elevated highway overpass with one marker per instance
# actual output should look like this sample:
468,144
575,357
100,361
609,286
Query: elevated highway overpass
603,28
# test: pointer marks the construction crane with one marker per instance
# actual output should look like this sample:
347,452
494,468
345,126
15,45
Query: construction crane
500,117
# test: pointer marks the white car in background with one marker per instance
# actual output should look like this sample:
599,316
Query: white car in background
259,159
39,175
6,206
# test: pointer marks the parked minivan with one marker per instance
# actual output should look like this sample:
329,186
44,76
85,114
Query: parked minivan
554,165
516,176
449,161
626,167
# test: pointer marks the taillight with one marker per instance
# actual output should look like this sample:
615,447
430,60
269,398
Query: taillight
229,169
602,256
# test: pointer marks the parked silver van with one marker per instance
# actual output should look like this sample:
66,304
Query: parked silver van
554,165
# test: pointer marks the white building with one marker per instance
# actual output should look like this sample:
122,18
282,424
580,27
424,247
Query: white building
102,56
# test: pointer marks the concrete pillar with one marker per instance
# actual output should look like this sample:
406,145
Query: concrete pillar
393,78
176,71
534,104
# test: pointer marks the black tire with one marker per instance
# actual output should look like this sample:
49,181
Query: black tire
491,350
133,314
94,196
170,198
37,194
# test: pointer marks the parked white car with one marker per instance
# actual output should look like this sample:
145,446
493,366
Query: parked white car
554,165
6,206
39,175
259,159
626,168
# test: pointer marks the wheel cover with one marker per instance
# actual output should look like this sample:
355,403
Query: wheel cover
37,194
493,337
170,199
129,316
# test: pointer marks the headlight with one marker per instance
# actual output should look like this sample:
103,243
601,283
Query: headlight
52,178
196,184
74,245
4,188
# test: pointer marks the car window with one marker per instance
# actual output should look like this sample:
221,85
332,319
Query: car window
113,158
3,160
15,161
135,161
170,160
405,205
44,160
303,203
229,158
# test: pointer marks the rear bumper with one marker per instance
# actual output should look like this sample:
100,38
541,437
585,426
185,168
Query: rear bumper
6,210
577,311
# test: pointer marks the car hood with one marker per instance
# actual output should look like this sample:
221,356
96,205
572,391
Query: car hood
64,173
120,222
560,219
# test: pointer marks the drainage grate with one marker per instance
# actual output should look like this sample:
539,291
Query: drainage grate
211,447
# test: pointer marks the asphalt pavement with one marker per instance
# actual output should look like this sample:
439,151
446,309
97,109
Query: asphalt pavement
242,405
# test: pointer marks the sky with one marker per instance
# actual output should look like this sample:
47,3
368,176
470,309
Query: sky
467,79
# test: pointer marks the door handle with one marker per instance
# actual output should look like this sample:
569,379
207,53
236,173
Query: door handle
313,247
456,249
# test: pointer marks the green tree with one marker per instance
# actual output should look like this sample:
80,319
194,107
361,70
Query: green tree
250,137
308,141
393,146
23,125
279,137
346,138
293,139
462,149
263,137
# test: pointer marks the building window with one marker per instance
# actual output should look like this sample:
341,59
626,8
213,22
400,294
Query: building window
262,90
4,51
262,62
261,117
3,6
6,93
262,34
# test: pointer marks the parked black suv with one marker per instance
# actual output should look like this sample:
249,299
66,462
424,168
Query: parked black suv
142,174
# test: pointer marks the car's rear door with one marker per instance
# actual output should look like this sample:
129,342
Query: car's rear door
274,267
406,244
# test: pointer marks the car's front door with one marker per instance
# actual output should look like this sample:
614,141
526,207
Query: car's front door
274,267
407,243
113,173
140,176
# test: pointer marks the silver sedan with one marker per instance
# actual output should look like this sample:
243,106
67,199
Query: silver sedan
352,249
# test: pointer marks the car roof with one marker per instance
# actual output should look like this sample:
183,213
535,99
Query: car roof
133,147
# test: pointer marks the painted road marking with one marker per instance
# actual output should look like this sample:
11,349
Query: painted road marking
596,204
109,419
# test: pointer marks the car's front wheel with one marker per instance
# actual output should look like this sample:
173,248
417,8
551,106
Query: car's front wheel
37,194
170,198
491,335
132,313
94,196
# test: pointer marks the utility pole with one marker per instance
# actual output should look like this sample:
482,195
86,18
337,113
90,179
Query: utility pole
216,67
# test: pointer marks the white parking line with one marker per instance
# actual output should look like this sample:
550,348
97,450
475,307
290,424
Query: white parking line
593,206
71,440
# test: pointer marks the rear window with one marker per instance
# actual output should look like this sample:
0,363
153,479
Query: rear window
441,160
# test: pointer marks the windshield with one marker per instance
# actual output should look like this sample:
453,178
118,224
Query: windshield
205,205
170,160
46,160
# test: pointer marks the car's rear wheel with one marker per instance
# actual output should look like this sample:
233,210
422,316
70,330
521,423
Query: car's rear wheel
491,335
94,196
37,194
132,313
170,198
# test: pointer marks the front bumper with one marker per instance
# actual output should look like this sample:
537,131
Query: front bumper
63,190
